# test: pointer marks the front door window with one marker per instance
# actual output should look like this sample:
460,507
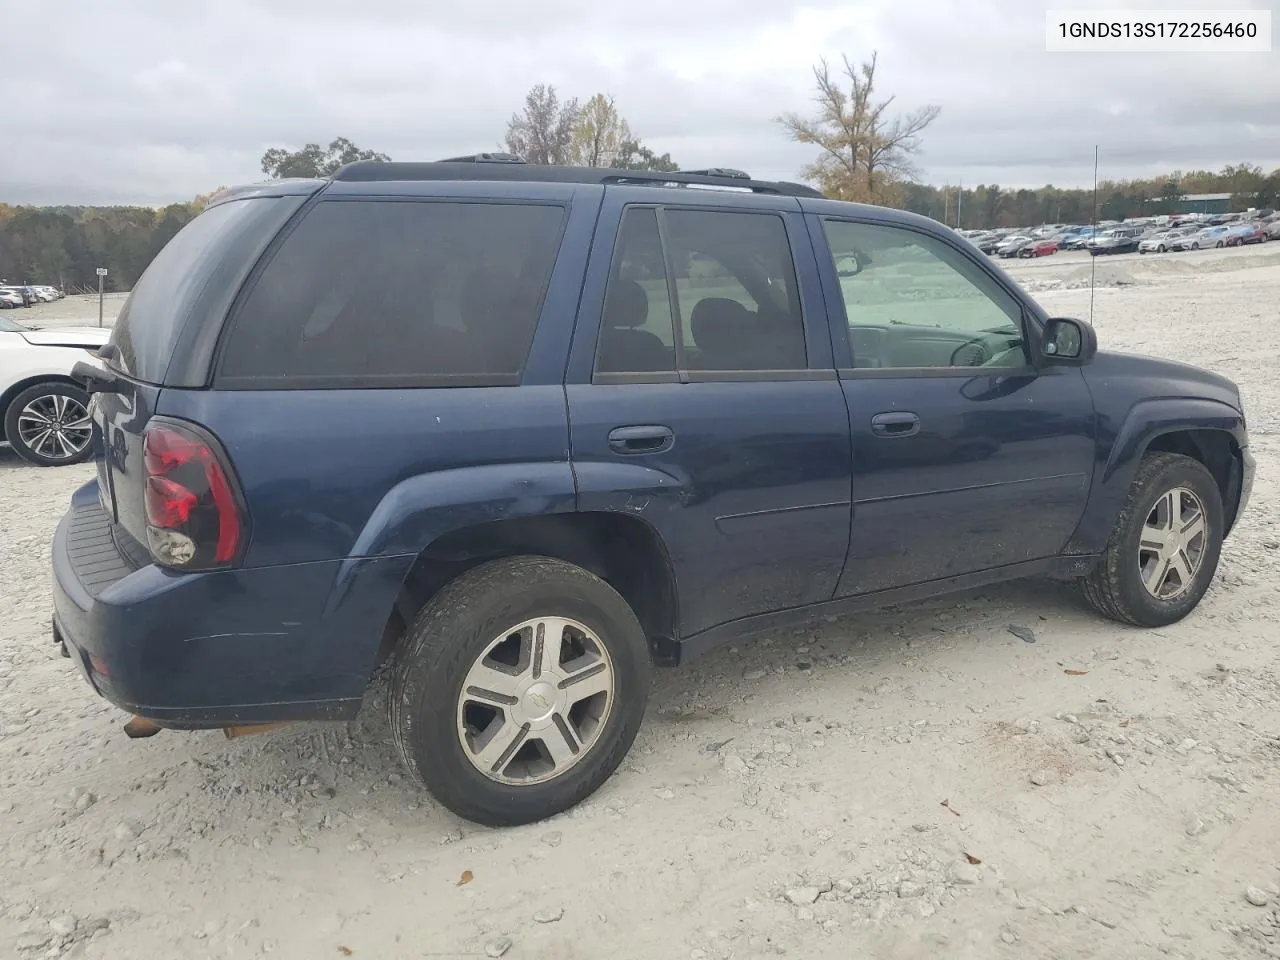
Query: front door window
912,301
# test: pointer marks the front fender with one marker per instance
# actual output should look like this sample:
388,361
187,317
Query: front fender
1149,419
1122,448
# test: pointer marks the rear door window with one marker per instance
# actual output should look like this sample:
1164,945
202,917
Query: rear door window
732,280
736,286
397,293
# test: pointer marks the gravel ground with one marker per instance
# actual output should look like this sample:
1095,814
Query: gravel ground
911,783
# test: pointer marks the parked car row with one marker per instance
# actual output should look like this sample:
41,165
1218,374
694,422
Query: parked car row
1148,235
26,295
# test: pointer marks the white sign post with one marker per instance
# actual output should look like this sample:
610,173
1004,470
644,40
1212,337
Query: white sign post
102,273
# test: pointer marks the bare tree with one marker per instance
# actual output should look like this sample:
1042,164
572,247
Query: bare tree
594,134
864,150
543,132
600,134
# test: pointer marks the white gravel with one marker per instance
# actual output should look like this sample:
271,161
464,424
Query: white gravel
880,803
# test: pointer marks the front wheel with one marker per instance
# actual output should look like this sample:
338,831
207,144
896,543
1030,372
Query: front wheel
1164,547
519,689
49,425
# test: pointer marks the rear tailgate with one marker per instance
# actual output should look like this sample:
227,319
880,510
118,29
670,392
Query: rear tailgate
121,416
167,331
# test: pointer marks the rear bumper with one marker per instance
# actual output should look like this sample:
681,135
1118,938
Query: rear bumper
1248,467
208,650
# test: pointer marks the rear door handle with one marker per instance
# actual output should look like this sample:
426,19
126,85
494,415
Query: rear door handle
641,439
900,424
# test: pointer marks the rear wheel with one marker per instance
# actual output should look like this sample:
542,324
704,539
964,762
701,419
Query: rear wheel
48,424
520,688
1164,547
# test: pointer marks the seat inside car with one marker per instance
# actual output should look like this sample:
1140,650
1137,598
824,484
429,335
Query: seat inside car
624,346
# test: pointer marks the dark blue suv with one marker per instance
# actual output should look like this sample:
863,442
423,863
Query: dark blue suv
529,431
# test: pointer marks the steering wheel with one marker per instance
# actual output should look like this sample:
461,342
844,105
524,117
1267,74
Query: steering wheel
980,356
1002,358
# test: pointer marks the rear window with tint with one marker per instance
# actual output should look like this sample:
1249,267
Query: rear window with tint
179,285
397,293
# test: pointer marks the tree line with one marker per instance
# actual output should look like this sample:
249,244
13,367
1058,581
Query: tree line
66,245
864,148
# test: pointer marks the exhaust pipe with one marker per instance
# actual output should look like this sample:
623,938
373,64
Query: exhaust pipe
249,729
139,727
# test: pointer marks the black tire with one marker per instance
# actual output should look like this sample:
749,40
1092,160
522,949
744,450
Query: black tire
35,393
1114,588
452,632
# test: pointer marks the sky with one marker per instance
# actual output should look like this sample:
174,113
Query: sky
154,101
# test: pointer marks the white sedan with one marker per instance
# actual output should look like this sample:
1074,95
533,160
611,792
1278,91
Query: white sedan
44,414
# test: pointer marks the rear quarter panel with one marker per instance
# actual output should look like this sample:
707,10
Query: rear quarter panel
331,474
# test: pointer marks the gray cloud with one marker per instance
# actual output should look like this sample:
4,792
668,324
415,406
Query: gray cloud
151,101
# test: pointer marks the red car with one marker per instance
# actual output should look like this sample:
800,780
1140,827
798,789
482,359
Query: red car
1039,249
1251,232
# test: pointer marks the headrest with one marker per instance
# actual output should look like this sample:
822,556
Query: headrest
718,320
627,306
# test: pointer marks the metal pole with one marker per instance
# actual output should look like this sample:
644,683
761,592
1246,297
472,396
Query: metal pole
99,299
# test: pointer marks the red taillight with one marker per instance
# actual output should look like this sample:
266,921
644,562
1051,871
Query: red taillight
169,504
192,513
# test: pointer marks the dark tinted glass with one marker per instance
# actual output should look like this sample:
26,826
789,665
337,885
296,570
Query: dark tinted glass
369,292
152,318
736,285
636,333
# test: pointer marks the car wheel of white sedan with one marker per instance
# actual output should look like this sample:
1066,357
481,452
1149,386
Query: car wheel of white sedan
48,424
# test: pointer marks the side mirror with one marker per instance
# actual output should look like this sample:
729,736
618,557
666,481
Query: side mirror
1068,341
852,264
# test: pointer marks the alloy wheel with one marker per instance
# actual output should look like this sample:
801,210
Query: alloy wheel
534,702
55,426
1172,545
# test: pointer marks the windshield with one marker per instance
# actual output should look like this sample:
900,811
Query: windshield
8,326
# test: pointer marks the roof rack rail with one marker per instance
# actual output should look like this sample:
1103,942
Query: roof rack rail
729,173
472,168
486,158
